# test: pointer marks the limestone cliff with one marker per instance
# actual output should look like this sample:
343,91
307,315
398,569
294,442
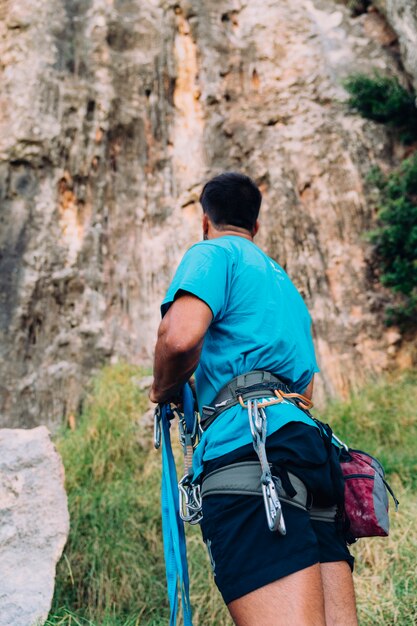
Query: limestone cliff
402,16
113,114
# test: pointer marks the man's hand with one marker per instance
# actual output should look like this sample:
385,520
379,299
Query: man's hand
191,382
178,347
154,398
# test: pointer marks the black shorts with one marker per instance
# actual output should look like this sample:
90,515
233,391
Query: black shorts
245,555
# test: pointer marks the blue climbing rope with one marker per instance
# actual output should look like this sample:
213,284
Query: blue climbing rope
175,550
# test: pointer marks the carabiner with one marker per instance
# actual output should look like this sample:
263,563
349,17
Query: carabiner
250,408
157,427
186,437
340,442
190,502
259,418
273,507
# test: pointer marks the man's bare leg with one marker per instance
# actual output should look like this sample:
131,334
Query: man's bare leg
339,594
296,599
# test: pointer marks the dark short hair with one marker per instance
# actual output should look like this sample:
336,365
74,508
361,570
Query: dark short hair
231,199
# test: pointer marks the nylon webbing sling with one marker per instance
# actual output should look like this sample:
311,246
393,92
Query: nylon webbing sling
175,551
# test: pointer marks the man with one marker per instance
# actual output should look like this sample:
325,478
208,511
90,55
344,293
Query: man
231,310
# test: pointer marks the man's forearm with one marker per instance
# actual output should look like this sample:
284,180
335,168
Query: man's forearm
171,370
178,347
308,391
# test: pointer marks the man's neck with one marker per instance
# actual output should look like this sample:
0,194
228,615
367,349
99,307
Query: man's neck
230,230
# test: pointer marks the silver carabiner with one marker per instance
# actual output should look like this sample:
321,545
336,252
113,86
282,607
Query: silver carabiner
255,419
340,442
197,504
249,409
273,507
258,427
190,503
157,427
184,435
259,418
183,499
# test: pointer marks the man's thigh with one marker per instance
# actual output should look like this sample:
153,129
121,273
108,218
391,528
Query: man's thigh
339,594
296,599
245,555
318,595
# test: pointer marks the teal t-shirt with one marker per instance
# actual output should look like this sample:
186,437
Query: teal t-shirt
260,322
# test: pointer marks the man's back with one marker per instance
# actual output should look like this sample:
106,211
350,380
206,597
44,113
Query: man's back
259,319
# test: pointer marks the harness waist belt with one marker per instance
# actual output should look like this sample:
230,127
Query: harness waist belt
245,479
248,386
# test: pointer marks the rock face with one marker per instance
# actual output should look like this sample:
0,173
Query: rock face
113,115
33,524
402,15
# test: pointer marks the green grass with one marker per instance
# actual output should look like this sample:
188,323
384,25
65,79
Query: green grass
112,572
383,421
113,569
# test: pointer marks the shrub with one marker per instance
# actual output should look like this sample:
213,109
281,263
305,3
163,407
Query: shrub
357,7
383,99
395,237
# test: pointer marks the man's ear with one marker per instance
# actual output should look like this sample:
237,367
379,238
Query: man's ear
255,228
205,223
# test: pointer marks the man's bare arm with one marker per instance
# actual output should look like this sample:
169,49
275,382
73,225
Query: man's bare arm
308,391
178,347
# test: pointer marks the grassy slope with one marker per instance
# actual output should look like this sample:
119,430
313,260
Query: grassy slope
112,573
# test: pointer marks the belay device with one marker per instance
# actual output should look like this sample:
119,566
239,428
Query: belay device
181,501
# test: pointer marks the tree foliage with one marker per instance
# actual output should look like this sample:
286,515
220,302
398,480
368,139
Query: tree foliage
383,99
395,237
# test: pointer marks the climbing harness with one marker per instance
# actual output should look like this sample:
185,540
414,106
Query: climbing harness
246,479
257,479
180,501
260,389
252,385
